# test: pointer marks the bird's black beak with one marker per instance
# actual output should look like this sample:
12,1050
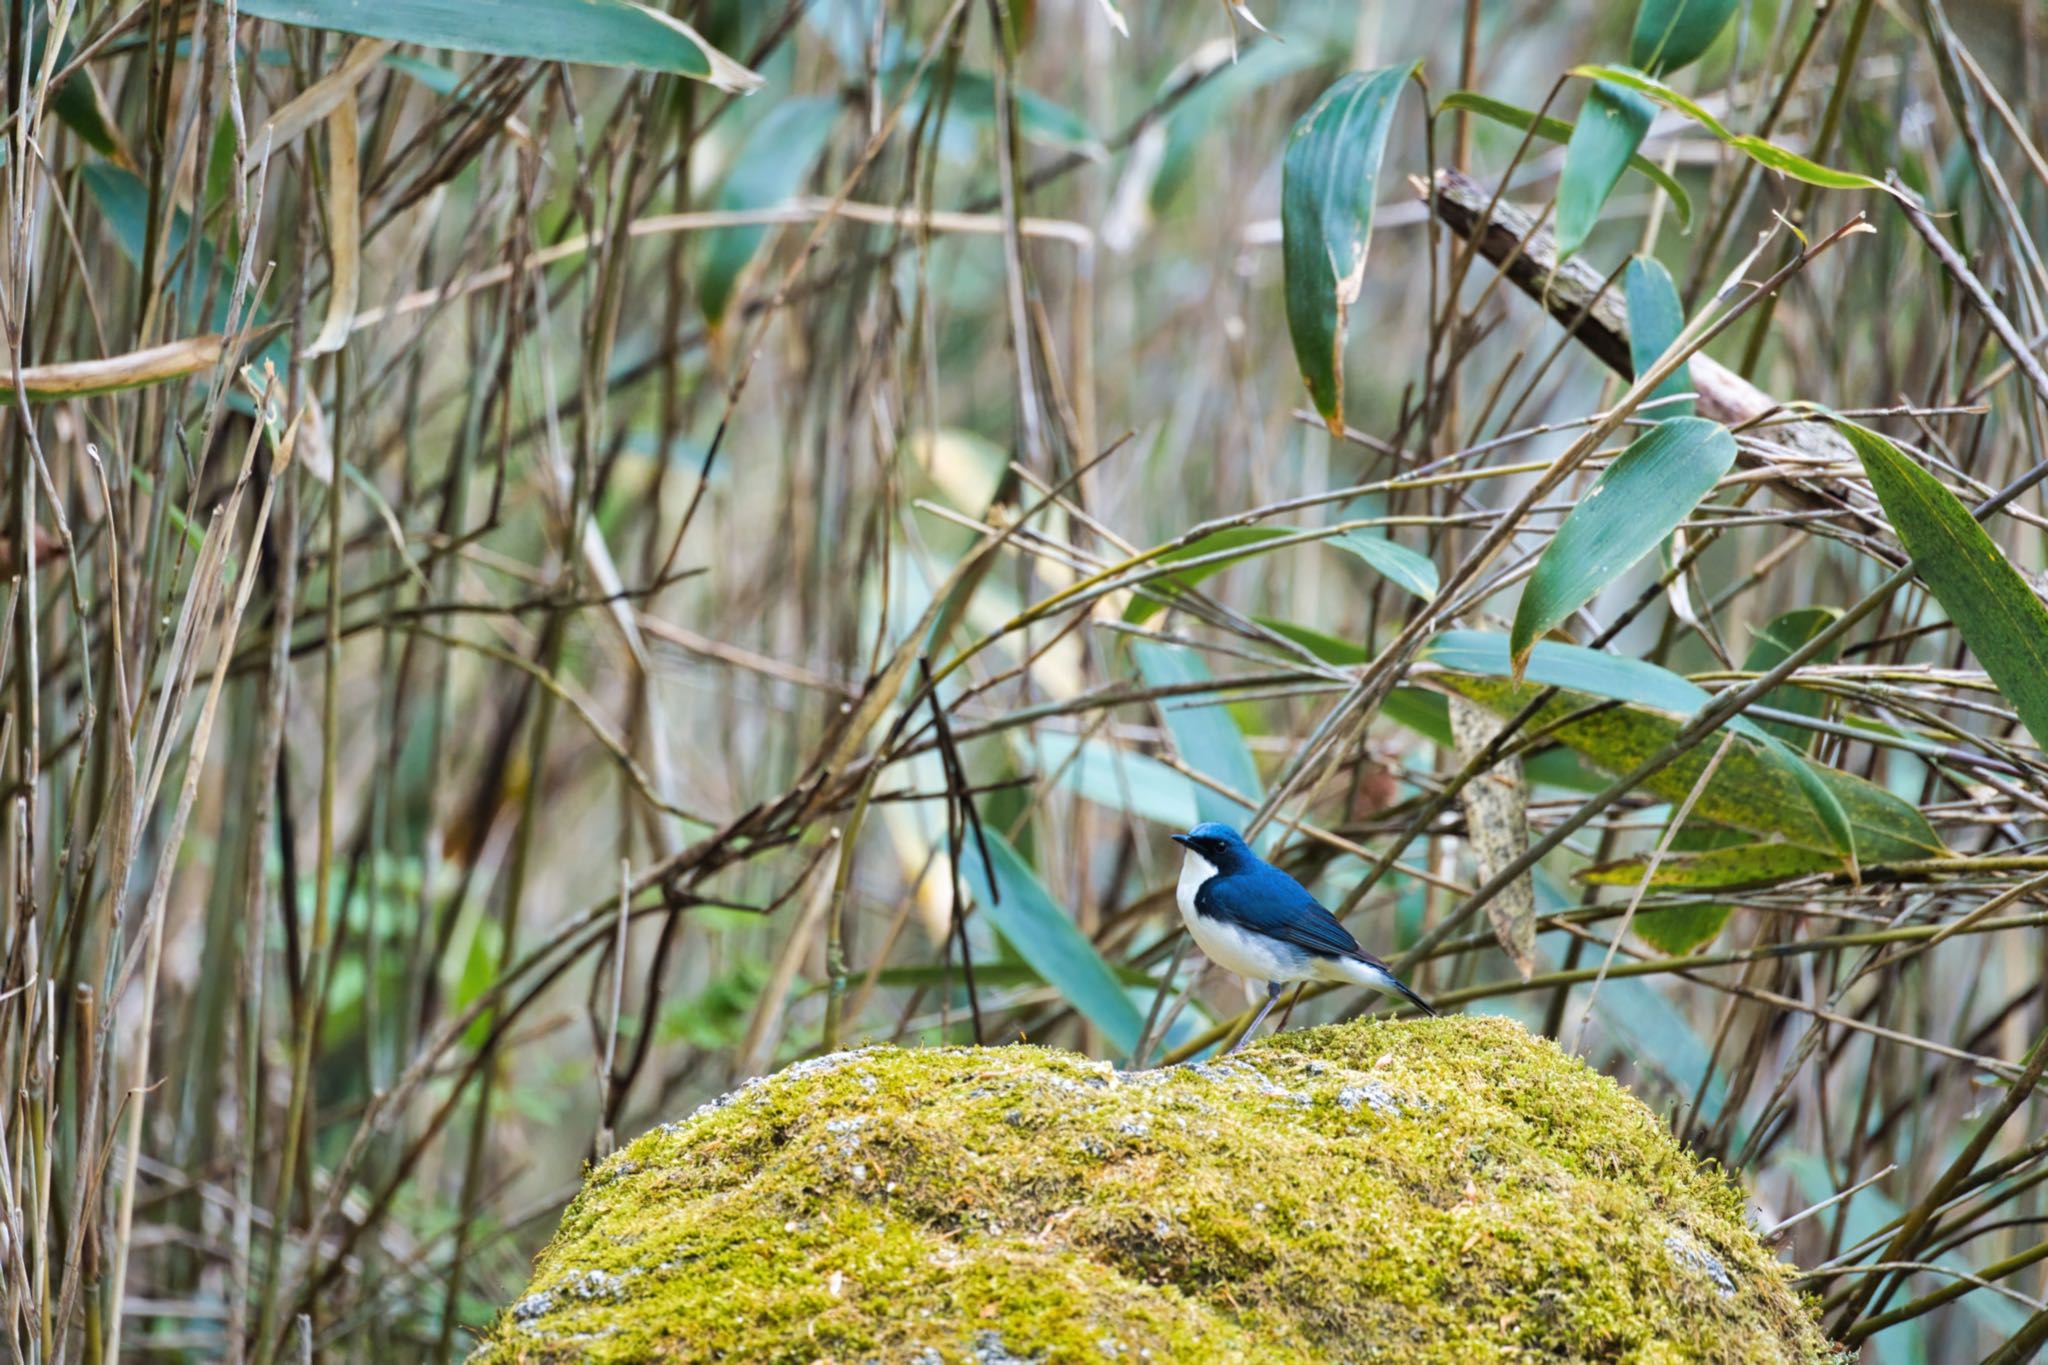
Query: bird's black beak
1183,840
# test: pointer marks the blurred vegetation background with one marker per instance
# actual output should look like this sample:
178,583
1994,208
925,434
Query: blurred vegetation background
566,554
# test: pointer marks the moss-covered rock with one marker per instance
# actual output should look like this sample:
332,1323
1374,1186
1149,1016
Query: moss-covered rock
1439,1190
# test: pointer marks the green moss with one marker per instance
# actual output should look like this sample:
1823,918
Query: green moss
1440,1190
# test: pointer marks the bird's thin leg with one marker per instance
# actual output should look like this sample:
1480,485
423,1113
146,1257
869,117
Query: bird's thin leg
1272,997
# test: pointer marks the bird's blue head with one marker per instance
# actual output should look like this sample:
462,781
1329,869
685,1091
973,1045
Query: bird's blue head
1221,845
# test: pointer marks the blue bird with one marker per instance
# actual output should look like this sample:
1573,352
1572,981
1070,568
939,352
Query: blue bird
1253,919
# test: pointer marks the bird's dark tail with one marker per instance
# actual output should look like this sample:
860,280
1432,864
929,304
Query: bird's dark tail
1413,998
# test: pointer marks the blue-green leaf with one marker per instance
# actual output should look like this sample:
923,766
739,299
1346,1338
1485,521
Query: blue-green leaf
1045,937
1655,318
1158,593
1558,130
1611,125
972,99
1405,568
1207,738
1191,119
596,32
1776,643
1766,154
1649,489
1408,569
1119,779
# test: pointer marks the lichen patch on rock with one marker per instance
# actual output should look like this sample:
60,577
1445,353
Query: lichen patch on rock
1435,1190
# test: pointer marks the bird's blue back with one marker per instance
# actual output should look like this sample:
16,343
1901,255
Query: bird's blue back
1265,900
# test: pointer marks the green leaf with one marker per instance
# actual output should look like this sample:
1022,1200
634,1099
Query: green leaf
596,32
1143,607
1680,929
1328,648
1721,869
1207,738
1558,130
1428,714
1328,181
1674,33
1684,928
1650,488
1118,779
1655,318
1822,798
1766,154
1042,934
78,102
2001,619
1776,643
1408,569
770,164
1757,787
1611,125
1404,568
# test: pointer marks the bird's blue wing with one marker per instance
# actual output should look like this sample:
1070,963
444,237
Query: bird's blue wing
1268,901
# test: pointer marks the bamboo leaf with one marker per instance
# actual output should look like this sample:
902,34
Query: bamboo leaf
1677,929
1655,318
1159,593
1766,154
1207,738
78,102
1648,490
123,203
593,32
1670,34
1328,648
1043,935
1560,130
1407,569
1119,779
1757,786
320,99
1776,643
771,164
1328,181
2000,617
1611,125
1684,928
1428,714
1721,869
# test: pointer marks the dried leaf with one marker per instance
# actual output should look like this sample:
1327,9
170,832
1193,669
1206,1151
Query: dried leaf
1496,806
151,365
324,96
344,228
